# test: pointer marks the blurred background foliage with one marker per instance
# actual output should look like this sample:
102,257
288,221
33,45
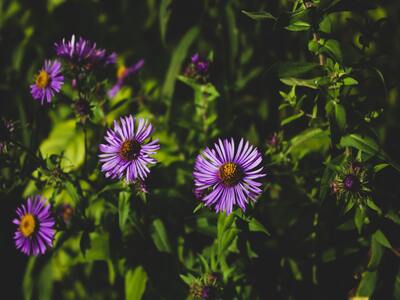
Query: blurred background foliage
296,242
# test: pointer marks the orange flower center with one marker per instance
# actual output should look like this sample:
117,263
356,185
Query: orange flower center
230,173
121,72
42,79
130,149
27,225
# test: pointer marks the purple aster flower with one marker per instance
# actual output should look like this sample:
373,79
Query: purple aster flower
227,176
122,73
35,223
47,82
127,153
84,52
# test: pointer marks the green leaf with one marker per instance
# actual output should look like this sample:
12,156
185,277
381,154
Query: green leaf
396,292
332,47
359,218
256,226
298,26
160,237
135,283
310,83
291,118
367,284
111,272
337,113
260,15
99,248
376,254
188,279
226,233
340,115
64,138
310,140
123,208
295,69
72,191
368,146
233,33
45,282
380,237
179,55
349,81
27,284
164,15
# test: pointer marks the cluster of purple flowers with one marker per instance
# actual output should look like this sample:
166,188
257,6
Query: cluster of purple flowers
225,175
81,55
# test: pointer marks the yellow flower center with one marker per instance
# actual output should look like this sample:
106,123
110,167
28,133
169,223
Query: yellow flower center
27,225
230,173
130,149
121,72
42,79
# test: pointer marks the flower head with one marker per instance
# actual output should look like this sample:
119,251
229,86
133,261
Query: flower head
47,82
66,212
35,223
122,73
127,154
197,68
84,52
351,183
226,176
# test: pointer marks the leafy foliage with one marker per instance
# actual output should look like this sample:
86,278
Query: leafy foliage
314,84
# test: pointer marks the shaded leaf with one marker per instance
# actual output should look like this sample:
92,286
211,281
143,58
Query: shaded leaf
160,237
260,15
135,283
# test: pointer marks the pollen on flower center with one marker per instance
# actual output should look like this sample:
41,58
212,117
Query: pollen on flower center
27,225
230,173
42,79
130,149
121,72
